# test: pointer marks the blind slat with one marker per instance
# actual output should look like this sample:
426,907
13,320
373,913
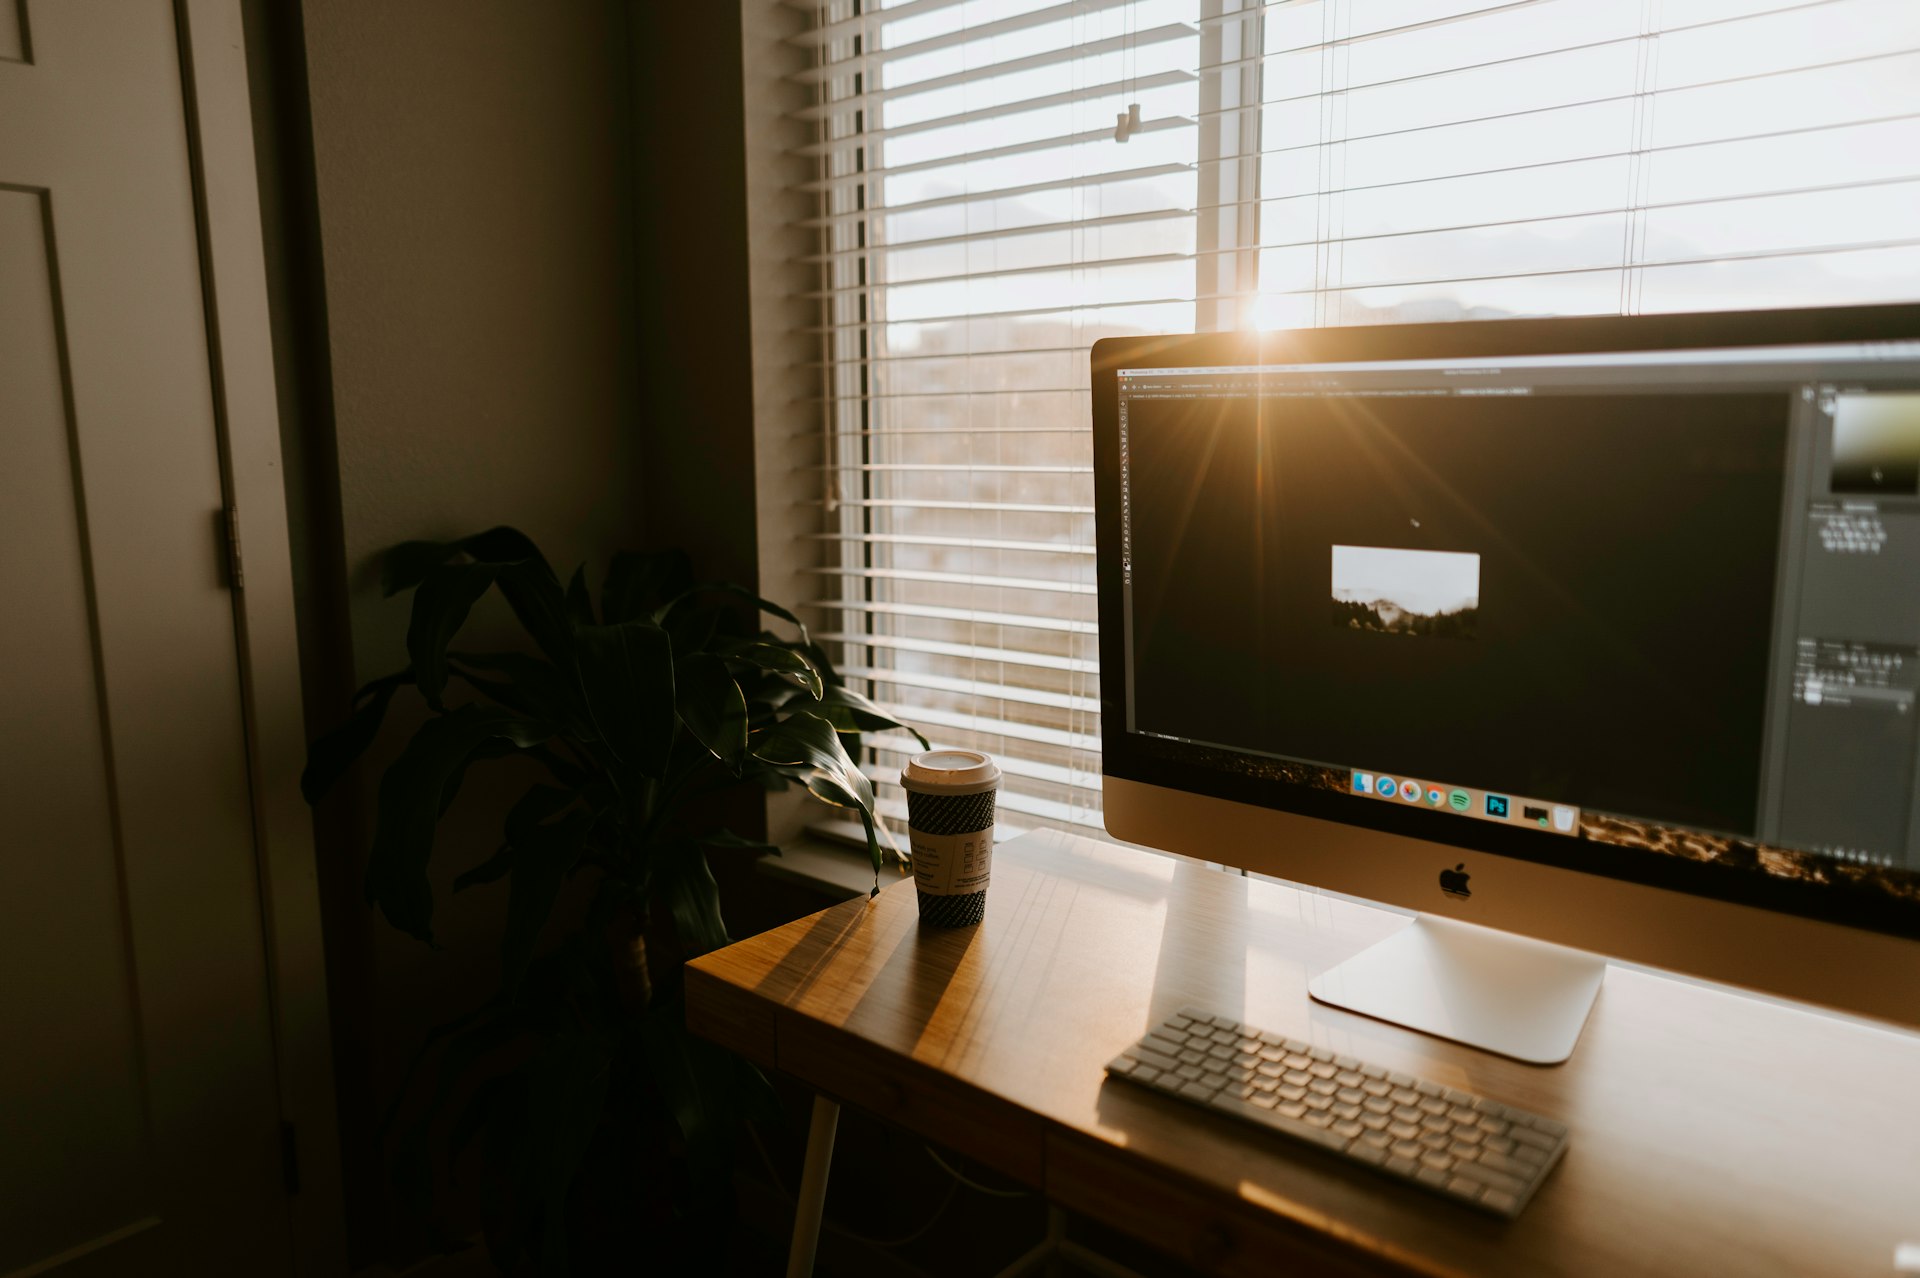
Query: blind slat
989,726
1056,143
935,612
965,652
1025,508
978,581
977,688
1002,232
952,468
968,543
1145,172
1032,62
1051,774
967,34
853,141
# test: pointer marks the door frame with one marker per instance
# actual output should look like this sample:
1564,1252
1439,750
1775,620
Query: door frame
233,268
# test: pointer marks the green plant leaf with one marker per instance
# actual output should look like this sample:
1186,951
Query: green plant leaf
694,898
692,629
728,588
494,867
407,564
441,603
542,857
805,740
579,602
409,807
534,594
627,674
531,686
331,755
711,706
849,712
707,1090
493,748
788,663
638,582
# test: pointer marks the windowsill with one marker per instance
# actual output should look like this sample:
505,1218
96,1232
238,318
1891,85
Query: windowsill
825,866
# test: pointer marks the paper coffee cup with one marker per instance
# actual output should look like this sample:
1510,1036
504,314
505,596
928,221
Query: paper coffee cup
950,801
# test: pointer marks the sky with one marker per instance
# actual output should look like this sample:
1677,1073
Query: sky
1427,581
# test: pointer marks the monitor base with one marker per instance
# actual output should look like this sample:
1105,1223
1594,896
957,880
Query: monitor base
1506,994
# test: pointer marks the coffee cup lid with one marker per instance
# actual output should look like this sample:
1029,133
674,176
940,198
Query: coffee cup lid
950,772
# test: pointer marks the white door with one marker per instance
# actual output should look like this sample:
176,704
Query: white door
139,1127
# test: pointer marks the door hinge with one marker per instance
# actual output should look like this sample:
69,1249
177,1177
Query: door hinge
289,1158
230,522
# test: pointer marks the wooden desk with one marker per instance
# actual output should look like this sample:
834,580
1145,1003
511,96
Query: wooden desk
1712,1134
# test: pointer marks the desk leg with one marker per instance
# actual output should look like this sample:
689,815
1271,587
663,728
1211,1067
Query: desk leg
813,1187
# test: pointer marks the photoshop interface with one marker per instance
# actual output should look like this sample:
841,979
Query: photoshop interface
1669,587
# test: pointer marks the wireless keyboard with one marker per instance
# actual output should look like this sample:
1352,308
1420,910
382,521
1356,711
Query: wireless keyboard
1464,1147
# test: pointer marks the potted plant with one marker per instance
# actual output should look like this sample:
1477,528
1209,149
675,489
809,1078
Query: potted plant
636,708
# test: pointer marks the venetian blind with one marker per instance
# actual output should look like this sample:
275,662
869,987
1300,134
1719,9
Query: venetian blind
1002,182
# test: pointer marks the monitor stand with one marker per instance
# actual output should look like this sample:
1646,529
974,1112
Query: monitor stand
1494,990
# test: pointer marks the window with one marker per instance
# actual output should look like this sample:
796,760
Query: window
1003,182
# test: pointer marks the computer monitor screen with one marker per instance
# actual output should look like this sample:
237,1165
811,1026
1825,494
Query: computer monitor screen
1635,599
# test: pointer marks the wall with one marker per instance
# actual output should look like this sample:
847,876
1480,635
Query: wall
446,189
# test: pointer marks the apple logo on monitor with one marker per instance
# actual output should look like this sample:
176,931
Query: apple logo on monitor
1454,882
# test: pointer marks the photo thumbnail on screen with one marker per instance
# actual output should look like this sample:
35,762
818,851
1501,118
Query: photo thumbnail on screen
1876,444
1406,592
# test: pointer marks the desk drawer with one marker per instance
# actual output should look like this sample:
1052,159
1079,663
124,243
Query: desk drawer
1231,1238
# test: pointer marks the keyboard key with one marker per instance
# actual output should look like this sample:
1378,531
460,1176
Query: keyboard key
1196,1091
1504,1203
1280,1122
1501,1163
1529,1136
1486,1176
1159,1060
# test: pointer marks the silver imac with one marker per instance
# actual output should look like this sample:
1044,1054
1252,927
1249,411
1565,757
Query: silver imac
1581,637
